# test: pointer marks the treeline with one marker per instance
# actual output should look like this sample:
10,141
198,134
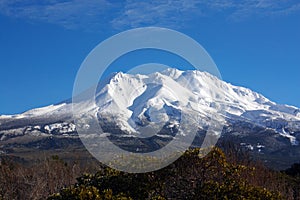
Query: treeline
222,174
216,176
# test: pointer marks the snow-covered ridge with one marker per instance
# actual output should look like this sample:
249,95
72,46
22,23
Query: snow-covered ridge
47,110
123,89
134,99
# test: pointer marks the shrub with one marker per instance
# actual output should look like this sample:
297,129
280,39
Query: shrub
190,177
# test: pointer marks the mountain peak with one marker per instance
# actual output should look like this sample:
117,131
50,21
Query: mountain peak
136,106
133,96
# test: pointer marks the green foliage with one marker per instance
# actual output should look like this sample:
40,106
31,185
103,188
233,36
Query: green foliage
215,176
87,193
234,190
190,177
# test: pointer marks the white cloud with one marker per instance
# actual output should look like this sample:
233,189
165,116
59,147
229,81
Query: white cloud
168,13
263,8
68,13
100,14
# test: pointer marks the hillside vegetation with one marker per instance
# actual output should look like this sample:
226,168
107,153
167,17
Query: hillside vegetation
222,174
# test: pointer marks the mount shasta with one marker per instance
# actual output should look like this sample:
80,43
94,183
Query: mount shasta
144,112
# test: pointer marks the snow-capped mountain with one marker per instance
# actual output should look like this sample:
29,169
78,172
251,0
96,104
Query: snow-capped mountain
127,104
134,96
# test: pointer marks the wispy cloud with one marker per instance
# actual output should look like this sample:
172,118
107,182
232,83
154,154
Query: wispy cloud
163,13
68,13
263,8
103,14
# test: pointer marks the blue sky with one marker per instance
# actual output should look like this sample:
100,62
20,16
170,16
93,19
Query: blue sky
255,43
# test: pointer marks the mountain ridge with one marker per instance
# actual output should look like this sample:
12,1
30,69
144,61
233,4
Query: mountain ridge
135,101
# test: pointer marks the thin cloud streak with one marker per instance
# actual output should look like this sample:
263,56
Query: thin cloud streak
118,15
156,13
71,14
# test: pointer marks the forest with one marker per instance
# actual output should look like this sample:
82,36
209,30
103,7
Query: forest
227,172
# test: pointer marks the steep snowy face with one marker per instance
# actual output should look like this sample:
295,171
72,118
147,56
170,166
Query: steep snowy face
162,96
143,99
131,92
142,113
138,100
235,100
128,93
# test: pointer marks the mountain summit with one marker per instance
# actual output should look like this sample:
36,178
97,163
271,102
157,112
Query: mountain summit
126,104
